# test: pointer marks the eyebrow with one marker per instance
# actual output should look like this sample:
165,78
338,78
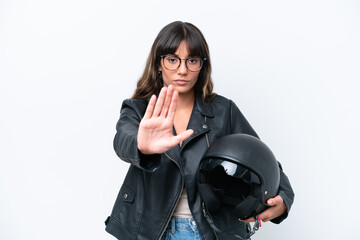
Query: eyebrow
173,54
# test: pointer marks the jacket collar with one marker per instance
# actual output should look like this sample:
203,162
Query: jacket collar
204,109
197,122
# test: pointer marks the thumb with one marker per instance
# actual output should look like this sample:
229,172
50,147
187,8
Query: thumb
185,135
270,201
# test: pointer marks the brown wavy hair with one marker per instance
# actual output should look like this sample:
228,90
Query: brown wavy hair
167,42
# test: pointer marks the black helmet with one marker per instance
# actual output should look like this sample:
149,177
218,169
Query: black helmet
238,172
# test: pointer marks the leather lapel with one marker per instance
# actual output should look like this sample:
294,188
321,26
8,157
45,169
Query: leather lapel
197,121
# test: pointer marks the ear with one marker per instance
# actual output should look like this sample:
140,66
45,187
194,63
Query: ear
159,68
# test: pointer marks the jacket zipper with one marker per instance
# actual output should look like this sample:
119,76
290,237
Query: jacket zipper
178,198
208,216
182,184
206,136
203,205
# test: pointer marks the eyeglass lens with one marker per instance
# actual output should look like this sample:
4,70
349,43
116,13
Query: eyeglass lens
172,62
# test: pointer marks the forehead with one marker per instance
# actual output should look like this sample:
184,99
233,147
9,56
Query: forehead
184,46
183,49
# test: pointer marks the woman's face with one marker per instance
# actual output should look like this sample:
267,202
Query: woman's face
181,78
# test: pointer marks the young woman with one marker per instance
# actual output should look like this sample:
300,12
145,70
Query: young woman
163,132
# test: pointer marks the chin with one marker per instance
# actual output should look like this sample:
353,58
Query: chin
184,90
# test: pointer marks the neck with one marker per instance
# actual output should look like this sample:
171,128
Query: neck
186,99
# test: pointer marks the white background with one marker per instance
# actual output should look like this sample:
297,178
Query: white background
292,67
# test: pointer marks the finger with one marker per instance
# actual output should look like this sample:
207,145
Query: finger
173,105
167,102
150,107
181,137
247,220
266,215
160,102
275,201
185,135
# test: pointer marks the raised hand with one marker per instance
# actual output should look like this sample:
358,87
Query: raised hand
155,133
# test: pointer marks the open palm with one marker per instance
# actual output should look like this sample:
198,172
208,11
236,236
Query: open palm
155,133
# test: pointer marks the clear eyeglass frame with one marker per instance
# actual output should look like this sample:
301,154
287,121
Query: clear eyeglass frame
186,62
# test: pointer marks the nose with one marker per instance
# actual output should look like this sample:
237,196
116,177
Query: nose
182,68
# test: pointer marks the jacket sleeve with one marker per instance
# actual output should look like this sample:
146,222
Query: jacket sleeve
287,194
125,141
240,125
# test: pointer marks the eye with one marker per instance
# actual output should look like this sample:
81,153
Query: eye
193,60
172,59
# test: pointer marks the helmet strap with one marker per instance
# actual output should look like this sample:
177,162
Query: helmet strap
219,232
210,199
256,226
249,203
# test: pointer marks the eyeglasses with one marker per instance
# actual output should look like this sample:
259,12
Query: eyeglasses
172,62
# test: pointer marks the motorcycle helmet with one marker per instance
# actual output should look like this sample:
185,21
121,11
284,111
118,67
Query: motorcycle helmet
238,172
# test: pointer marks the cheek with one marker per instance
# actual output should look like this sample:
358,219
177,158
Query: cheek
195,76
165,76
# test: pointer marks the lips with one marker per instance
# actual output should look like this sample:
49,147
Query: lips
181,82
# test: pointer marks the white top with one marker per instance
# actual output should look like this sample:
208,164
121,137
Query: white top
182,209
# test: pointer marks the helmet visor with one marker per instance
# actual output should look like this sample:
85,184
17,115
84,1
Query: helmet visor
229,178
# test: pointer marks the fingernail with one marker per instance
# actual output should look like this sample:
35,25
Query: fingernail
270,202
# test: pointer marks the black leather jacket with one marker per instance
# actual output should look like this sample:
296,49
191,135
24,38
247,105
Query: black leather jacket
153,184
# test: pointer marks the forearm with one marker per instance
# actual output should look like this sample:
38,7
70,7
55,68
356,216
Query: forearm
125,141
